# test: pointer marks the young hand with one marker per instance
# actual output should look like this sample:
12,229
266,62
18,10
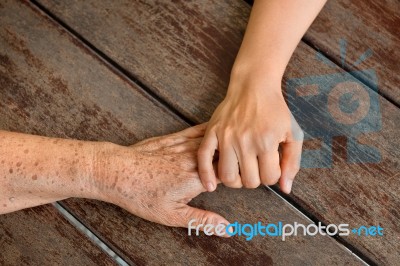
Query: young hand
247,129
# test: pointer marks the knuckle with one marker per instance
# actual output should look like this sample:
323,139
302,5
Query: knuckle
268,142
203,151
244,138
205,174
176,149
234,185
205,219
271,180
227,177
228,132
251,183
169,141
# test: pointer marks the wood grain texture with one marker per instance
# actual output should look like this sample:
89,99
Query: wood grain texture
88,101
149,243
170,46
183,50
41,236
364,25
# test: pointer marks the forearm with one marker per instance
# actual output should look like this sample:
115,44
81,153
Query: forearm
274,29
37,170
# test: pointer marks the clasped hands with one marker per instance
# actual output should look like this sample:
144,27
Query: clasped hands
156,178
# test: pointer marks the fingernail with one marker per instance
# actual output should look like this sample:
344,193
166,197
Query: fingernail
289,183
210,186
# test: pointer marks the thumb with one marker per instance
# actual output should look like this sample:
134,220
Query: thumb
201,220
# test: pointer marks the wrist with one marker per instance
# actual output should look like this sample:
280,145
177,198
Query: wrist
82,157
256,71
111,164
247,79
101,161
253,85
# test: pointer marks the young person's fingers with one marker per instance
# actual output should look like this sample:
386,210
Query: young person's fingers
249,170
205,156
228,168
206,221
270,170
290,164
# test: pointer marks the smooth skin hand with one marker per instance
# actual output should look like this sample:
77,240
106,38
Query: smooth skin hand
153,179
253,122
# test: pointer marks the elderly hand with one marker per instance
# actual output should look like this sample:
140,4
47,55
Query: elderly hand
155,178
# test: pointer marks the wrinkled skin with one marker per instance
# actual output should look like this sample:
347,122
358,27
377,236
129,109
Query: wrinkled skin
156,178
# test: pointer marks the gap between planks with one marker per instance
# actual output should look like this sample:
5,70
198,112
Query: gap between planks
89,234
130,78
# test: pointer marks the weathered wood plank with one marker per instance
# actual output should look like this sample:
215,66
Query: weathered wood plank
364,25
149,243
41,236
184,50
88,101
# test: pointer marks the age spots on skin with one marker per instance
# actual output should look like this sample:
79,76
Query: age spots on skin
36,163
115,182
11,170
34,177
26,151
19,164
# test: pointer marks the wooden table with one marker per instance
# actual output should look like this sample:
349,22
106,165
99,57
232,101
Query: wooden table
123,71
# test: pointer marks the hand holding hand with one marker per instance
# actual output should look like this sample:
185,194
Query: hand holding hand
156,178
247,129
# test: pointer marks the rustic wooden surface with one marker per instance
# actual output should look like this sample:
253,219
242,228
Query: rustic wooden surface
53,86
41,236
365,25
183,51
